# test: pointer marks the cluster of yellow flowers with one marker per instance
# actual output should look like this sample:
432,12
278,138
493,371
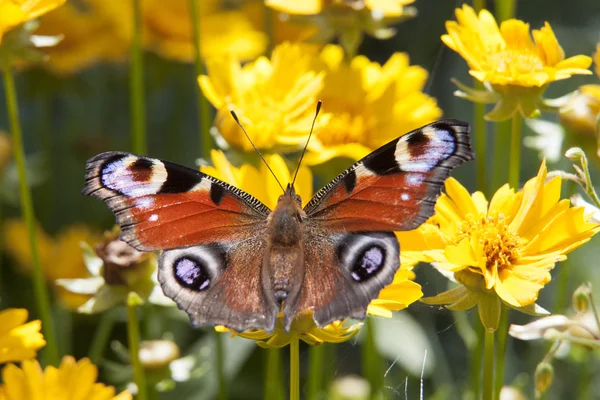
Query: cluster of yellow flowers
498,252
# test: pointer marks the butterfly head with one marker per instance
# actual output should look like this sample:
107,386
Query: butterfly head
285,220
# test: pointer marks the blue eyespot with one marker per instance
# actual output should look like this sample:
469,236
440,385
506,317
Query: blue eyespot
368,263
192,274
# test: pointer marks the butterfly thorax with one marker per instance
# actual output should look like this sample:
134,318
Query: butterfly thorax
283,265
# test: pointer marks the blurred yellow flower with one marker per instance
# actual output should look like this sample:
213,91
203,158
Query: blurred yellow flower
347,19
508,56
303,327
19,340
275,98
502,250
388,8
279,24
71,380
92,30
370,104
60,256
258,181
17,12
168,31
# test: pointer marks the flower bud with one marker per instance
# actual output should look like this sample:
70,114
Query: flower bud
581,298
544,373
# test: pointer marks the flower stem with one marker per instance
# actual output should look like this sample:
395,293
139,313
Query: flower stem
39,285
220,365
295,368
273,388
515,151
133,336
136,84
478,5
476,355
480,144
505,9
206,142
488,366
501,351
269,29
101,336
372,364
316,358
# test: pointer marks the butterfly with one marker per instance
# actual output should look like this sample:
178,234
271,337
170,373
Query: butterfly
227,259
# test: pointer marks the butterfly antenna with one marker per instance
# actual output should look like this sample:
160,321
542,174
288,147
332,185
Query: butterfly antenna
235,117
319,103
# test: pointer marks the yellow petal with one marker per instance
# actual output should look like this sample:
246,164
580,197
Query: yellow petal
461,197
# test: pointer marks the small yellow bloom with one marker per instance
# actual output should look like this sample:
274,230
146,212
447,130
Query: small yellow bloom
507,55
19,340
71,380
60,256
259,182
96,31
168,31
303,327
17,12
370,104
274,98
504,249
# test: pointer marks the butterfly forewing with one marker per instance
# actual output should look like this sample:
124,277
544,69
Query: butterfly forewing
162,205
395,187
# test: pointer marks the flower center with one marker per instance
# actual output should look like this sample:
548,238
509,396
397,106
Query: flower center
515,61
501,247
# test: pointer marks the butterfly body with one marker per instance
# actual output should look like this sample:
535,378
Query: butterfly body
229,260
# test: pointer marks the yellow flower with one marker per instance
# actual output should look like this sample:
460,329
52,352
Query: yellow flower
303,327
168,31
388,8
502,250
71,380
346,19
97,30
370,104
508,56
398,295
19,340
17,12
275,98
60,256
259,182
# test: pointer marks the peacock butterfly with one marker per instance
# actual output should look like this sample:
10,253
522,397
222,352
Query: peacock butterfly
229,260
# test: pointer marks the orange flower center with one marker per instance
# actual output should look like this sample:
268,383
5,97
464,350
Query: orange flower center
501,247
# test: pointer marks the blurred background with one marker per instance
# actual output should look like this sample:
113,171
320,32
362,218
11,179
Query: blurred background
76,105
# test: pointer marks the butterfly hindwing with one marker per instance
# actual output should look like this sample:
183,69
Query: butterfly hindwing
162,205
395,187
220,283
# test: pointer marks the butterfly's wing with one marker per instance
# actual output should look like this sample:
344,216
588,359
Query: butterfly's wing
220,284
350,250
161,205
213,234
395,187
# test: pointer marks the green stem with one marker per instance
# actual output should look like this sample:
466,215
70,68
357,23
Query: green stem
505,9
133,336
269,28
501,149
295,368
488,366
514,168
136,84
316,359
479,127
561,293
478,5
273,388
220,365
101,336
501,351
204,123
39,284
476,355
372,363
